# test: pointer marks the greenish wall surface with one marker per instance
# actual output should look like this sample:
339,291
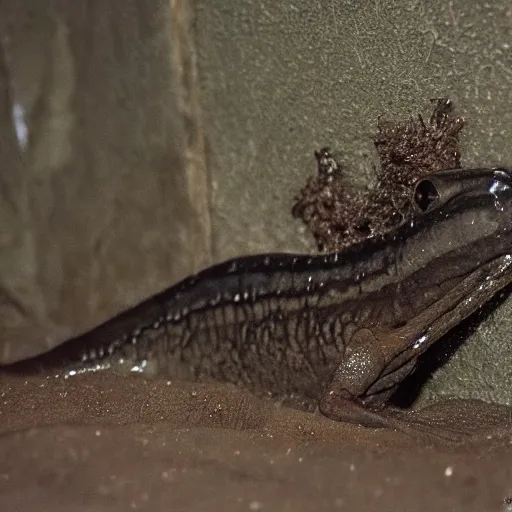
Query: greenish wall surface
281,79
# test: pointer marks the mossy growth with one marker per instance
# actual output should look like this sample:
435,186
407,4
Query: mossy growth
339,215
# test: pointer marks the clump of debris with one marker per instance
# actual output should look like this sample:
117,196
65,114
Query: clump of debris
339,215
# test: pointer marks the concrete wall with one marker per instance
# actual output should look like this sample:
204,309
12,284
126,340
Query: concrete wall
280,79
103,200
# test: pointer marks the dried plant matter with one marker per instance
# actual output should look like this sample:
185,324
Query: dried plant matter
339,215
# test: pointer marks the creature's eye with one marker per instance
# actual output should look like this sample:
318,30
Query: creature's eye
500,182
425,194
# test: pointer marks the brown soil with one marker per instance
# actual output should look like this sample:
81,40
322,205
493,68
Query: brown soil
101,442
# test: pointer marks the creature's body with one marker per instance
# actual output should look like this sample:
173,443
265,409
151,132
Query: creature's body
340,331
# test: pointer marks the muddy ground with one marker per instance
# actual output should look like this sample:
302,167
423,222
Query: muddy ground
107,443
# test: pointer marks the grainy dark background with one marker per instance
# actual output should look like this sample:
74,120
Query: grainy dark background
166,135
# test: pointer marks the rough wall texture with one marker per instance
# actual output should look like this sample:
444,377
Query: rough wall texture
101,203
280,79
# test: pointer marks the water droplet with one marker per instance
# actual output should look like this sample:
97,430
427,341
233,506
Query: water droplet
139,368
420,341
499,184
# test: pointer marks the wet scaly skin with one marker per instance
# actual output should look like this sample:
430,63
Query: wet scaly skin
338,331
